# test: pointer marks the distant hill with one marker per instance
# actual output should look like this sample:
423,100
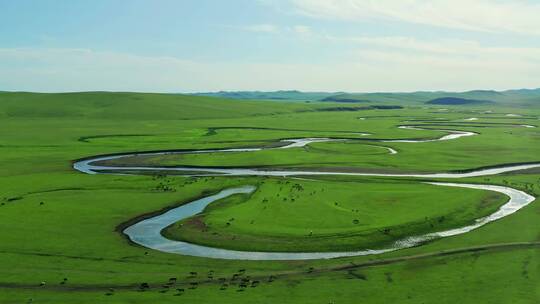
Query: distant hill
520,97
342,98
457,101
514,98
290,95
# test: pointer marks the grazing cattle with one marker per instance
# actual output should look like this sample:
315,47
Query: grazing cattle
144,286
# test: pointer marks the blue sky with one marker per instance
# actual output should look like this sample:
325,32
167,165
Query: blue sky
311,45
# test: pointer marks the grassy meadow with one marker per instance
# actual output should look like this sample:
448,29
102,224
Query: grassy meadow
60,230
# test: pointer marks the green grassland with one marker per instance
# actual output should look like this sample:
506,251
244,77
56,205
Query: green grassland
462,154
56,223
358,214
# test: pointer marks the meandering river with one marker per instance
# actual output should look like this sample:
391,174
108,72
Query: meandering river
148,232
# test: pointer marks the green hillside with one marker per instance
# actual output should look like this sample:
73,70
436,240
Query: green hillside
106,105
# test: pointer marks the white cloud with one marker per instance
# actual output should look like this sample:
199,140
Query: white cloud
63,69
516,16
448,64
380,64
261,28
301,29
443,47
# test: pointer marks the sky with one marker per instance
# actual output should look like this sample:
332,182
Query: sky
308,45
